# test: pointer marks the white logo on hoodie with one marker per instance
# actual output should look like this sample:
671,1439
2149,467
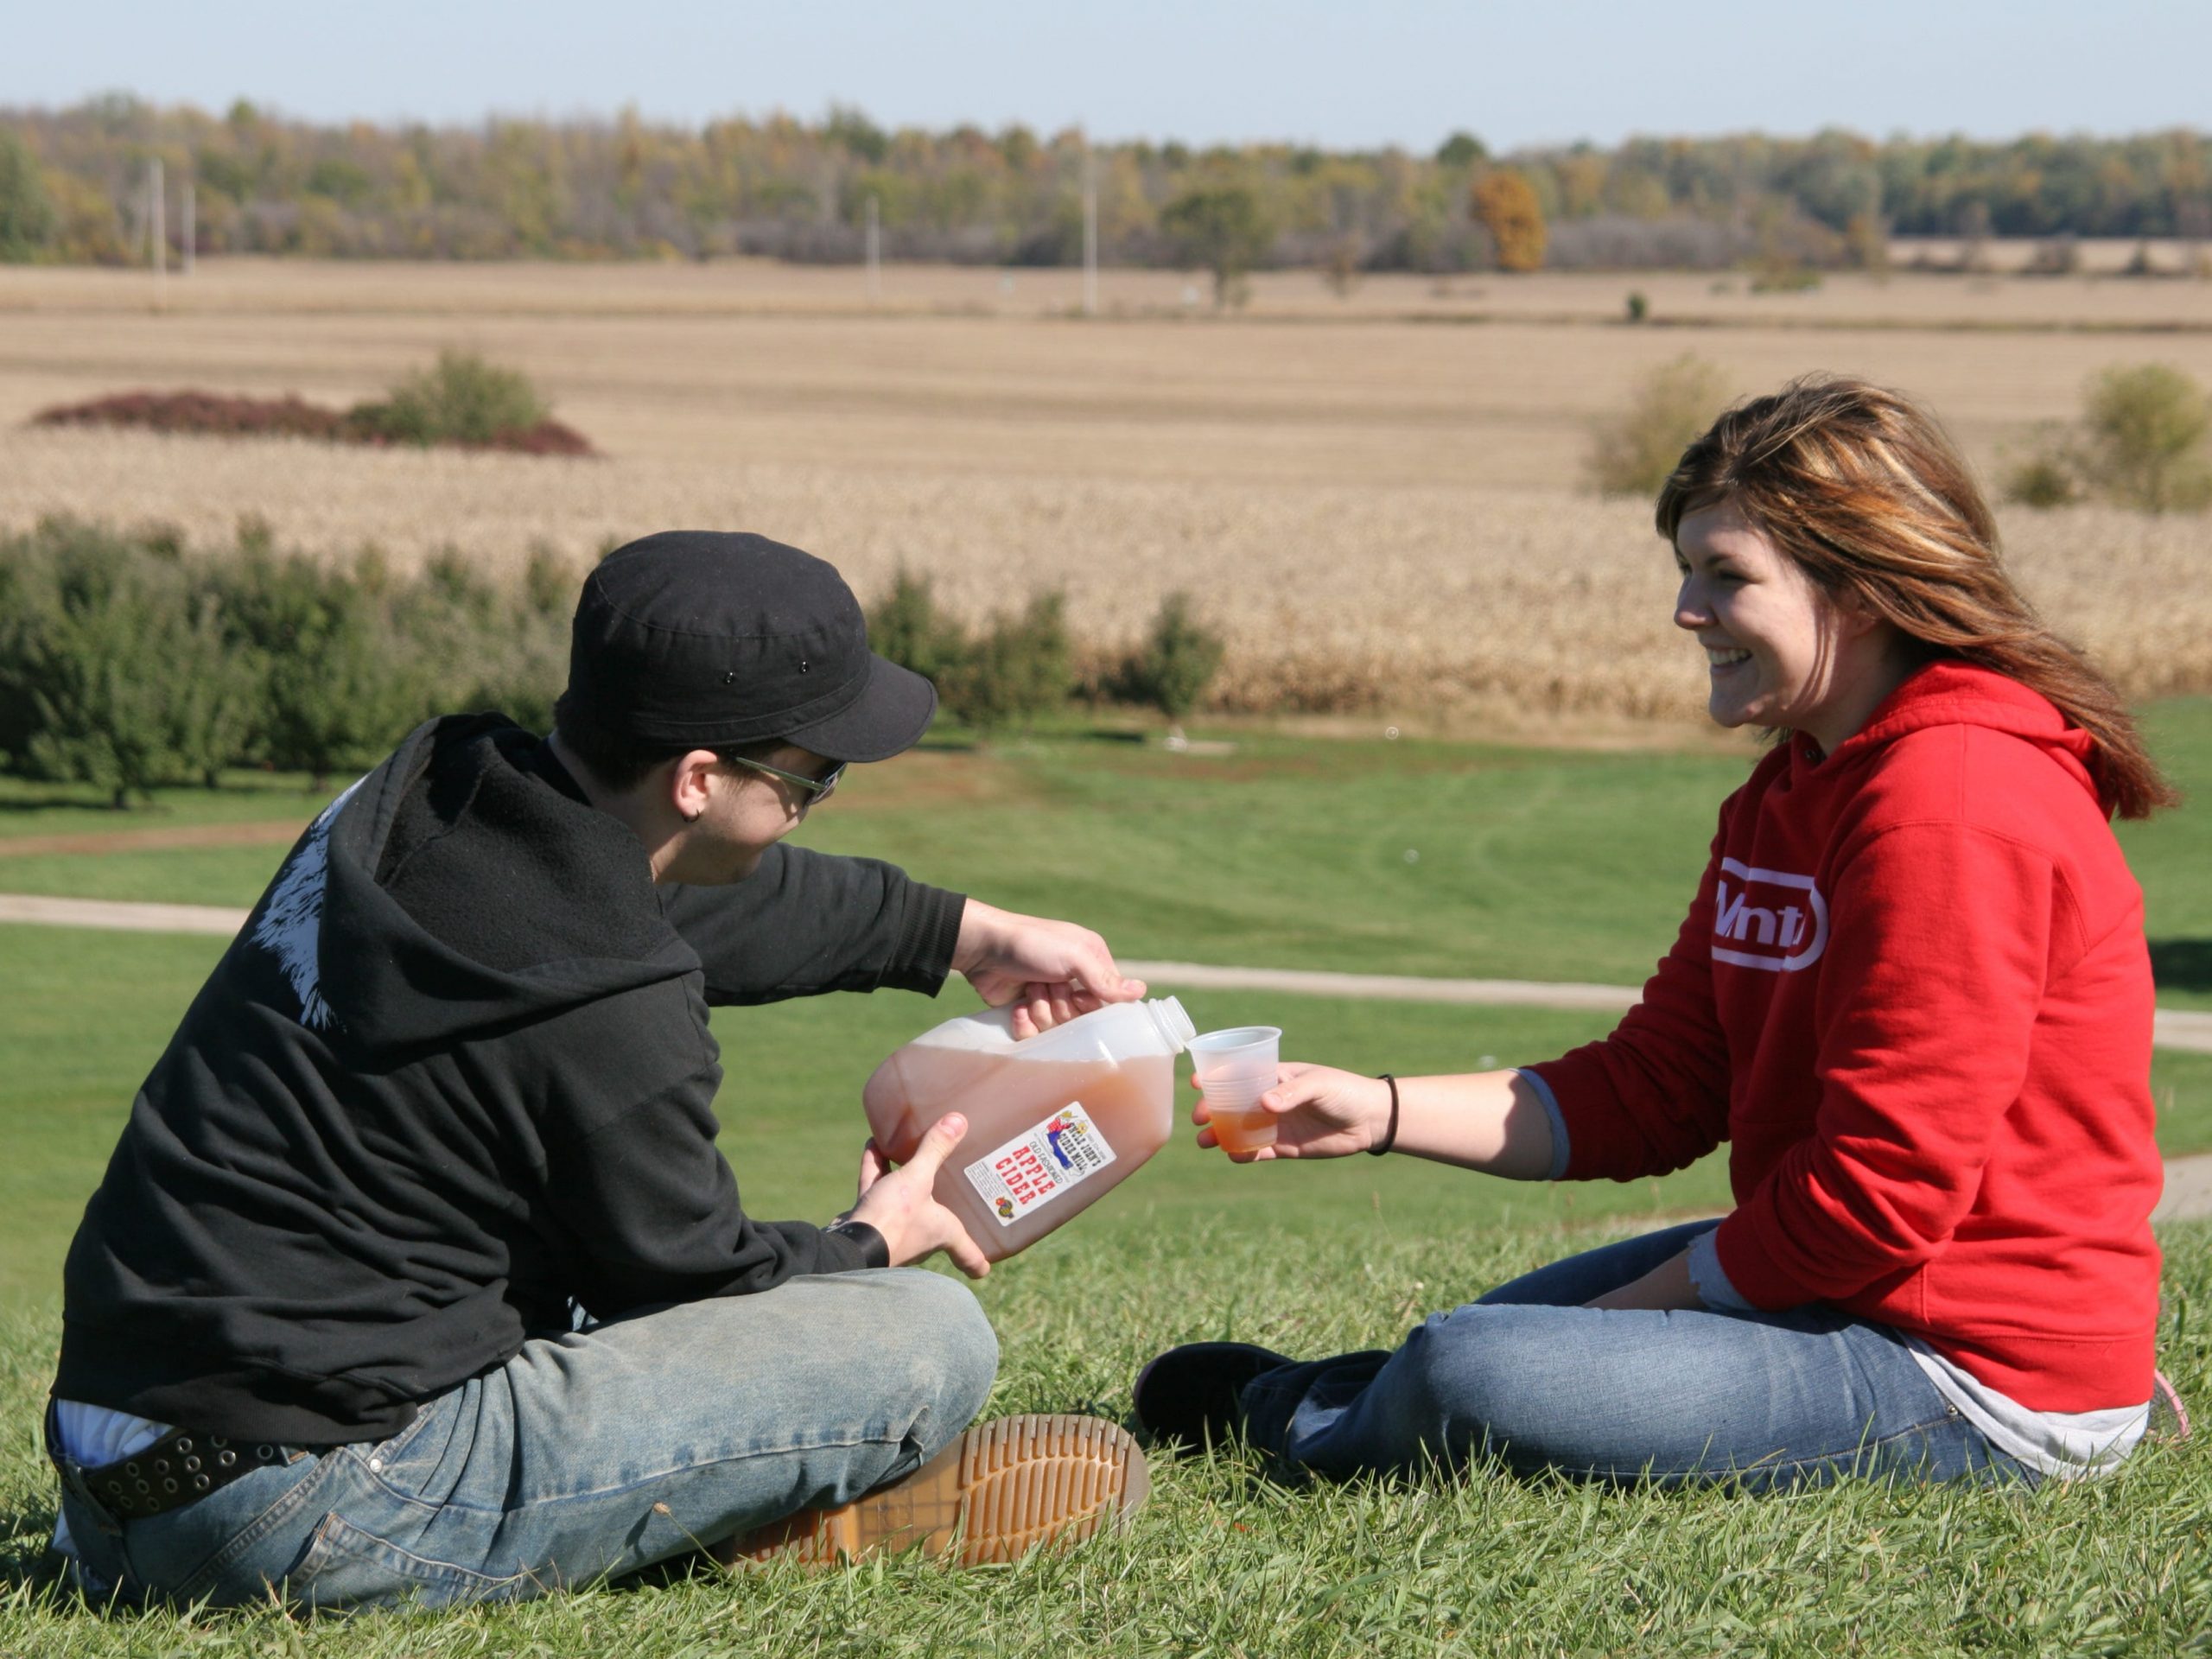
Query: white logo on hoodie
291,927
1793,930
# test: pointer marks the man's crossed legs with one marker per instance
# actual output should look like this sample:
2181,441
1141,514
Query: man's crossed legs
593,1453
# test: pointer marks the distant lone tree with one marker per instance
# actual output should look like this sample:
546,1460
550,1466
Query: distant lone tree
1632,452
26,210
2147,428
464,398
1177,662
1221,228
1462,149
1342,263
1505,205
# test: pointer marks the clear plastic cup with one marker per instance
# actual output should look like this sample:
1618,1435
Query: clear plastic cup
1235,1068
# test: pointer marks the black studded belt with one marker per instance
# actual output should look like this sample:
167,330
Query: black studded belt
173,1472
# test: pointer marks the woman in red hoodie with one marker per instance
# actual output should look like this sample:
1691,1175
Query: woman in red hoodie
1913,996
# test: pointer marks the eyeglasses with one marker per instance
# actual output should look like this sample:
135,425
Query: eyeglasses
818,790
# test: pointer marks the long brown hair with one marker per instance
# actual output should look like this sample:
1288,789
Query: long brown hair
1866,492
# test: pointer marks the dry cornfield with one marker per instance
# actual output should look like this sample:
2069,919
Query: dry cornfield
1378,511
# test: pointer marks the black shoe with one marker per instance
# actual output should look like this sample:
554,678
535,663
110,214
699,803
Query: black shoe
1189,1394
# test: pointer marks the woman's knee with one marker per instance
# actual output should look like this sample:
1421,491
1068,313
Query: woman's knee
1474,1377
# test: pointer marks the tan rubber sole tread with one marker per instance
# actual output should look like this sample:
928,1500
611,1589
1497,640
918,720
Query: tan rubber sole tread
1000,1490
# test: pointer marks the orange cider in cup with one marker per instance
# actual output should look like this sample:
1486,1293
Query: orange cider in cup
1235,1067
1241,1130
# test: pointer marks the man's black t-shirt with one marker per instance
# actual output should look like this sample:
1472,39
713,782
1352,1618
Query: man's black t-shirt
453,1075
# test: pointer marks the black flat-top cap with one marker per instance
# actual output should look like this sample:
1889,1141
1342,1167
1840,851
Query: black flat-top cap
710,639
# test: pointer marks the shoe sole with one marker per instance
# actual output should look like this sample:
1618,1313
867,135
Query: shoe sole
1000,1491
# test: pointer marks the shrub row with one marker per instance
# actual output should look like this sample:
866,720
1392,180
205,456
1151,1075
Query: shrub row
127,661
1021,664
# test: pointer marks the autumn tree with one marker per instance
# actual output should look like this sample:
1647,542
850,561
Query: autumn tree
1221,228
1505,205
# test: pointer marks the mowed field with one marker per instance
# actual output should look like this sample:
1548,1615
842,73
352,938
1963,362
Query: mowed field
1378,498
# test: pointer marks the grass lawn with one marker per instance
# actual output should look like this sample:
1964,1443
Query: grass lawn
84,1014
1360,855
1226,1561
1289,852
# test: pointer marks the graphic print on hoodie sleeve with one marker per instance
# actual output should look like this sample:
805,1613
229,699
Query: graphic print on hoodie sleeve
290,925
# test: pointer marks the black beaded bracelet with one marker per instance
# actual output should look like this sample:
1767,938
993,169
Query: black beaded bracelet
1390,1134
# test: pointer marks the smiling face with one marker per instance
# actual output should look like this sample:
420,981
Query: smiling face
1779,652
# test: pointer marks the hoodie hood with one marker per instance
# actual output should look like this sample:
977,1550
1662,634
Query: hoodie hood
1952,693
456,892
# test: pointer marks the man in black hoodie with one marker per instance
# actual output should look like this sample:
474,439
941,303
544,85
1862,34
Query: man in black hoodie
417,1274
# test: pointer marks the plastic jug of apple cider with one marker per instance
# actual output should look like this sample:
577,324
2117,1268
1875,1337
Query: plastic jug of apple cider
1055,1122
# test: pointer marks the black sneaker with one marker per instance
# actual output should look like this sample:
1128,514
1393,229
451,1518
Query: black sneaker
1189,1394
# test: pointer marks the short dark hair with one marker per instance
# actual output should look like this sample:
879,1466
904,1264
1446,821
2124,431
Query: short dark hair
621,763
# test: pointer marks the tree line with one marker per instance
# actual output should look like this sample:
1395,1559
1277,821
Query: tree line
73,183
129,661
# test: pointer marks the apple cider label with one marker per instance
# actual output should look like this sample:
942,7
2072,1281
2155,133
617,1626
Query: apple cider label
1036,1167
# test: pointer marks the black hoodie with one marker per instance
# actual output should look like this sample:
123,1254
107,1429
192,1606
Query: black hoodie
453,1074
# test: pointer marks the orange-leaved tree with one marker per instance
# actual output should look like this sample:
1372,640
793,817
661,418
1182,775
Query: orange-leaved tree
1505,205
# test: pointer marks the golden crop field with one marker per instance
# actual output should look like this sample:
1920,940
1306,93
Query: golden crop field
1377,498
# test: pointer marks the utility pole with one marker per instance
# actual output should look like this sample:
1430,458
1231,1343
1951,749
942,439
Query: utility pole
875,254
1090,232
191,226
157,236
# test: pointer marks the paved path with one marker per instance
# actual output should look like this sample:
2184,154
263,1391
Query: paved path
2189,1181
2175,1029
123,917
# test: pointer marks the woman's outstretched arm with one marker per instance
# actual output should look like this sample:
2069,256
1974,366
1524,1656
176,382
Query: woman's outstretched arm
1495,1122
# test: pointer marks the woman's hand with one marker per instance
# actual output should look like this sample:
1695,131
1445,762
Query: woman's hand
901,1205
1319,1112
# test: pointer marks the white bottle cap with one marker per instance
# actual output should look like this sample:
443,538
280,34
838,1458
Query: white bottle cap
1174,1024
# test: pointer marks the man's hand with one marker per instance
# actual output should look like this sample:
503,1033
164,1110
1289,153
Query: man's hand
1049,971
899,1204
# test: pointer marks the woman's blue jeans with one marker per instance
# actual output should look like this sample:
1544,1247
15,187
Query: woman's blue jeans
1530,1376
589,1453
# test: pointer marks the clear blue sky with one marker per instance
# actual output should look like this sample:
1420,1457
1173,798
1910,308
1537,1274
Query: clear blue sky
1339,73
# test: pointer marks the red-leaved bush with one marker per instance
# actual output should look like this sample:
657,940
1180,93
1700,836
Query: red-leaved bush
211,414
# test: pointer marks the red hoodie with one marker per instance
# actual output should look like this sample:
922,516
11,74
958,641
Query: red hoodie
1913,993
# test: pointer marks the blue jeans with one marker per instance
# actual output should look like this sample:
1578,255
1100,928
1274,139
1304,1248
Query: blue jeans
591,1453
1532,1377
